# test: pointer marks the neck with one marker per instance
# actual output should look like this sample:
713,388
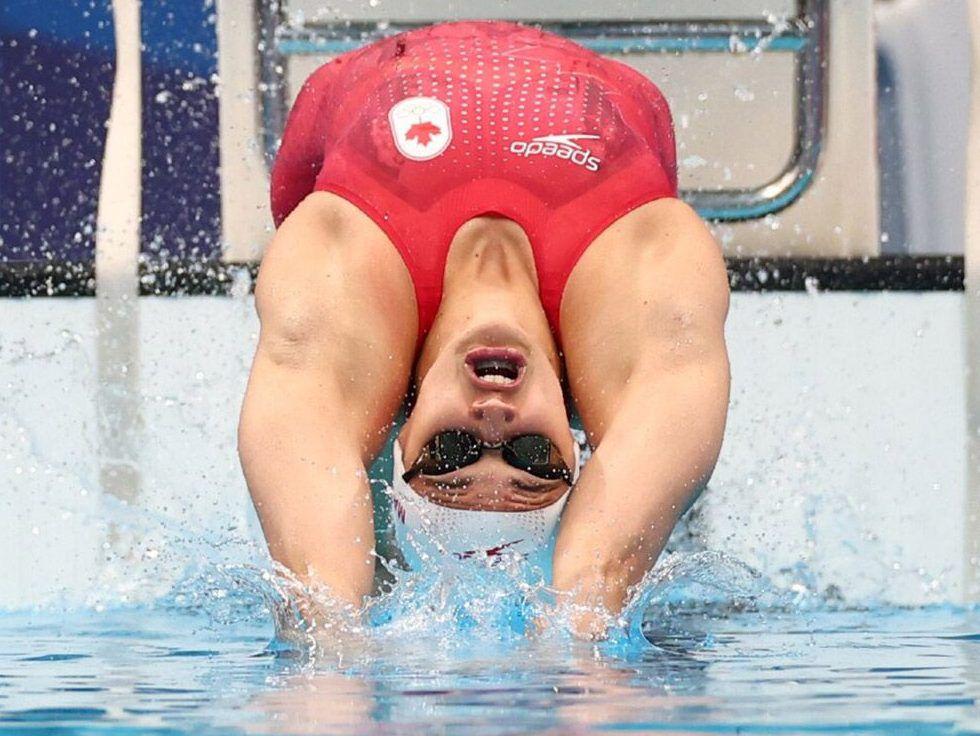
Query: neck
490,289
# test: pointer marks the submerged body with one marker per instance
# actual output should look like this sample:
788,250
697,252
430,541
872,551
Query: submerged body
368,284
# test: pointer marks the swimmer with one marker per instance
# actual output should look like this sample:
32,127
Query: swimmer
483,217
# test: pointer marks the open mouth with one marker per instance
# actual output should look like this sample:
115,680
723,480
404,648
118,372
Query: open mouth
495,368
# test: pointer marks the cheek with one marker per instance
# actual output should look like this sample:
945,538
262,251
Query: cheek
549,410
438,405
404,436
552,398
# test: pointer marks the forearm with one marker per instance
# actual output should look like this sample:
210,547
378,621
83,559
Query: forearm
655,453
306,473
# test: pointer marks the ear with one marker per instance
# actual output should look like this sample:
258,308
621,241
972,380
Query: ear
577,452
398,460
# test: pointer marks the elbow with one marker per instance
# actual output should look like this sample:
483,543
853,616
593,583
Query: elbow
687,326
295,328
293,342
685,340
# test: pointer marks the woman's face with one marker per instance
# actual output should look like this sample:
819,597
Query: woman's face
493,383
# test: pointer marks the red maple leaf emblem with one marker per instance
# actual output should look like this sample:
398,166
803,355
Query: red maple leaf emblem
423,132
492,552
399,509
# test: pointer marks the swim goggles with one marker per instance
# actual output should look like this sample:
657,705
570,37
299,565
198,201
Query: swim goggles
453,449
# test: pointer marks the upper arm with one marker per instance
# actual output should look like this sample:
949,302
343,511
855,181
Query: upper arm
648,299
338,318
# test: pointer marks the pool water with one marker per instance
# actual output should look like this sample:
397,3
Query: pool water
204,660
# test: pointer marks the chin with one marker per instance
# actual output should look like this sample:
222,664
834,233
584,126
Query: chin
495,333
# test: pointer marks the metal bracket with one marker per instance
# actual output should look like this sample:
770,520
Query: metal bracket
804,36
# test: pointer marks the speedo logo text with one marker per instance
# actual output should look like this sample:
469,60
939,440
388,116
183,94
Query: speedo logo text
562,146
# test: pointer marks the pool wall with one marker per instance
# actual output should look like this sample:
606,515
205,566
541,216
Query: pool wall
843,464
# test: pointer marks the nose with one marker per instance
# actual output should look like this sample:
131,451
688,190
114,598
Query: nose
497,414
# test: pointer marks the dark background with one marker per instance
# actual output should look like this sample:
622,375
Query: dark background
57,63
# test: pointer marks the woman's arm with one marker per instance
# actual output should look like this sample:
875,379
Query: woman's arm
643,330
335,351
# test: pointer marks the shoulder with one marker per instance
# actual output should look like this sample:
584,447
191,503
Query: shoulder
660,255
674,252
664,229
331,276
327,225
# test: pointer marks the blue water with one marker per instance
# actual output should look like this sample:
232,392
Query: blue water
713,650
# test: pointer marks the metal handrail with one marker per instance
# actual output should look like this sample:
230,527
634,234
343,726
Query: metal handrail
805,36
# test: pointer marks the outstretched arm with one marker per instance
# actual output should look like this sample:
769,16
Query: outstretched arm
334,357
643,329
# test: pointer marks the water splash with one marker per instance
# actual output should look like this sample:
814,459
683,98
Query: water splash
459,608
466,609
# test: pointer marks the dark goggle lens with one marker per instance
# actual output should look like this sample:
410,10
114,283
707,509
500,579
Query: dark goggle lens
538,456
531,450
454,449
449,451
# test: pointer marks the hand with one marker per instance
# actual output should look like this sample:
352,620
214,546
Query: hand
587,622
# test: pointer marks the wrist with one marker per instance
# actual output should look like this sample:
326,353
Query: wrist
594,582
